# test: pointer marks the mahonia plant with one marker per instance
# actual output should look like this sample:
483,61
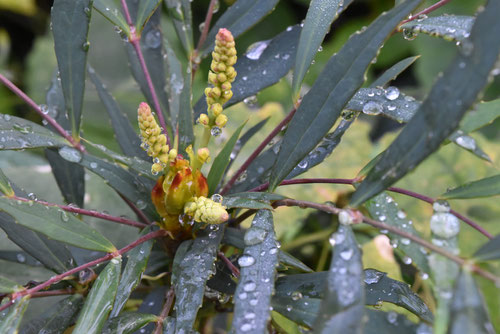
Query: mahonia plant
195,208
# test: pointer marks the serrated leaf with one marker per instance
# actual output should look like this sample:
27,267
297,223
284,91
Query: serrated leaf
392,323
192,268
17,134
238,18
393,71
10,320
144,12
71,46
111,10
489,251
320,15
440,114
99,300
57,319
185,116
5,186
343,304
263,65
467,310
137,260
484,114
55,224
384,208
340,79
128,323
489,186
8,286
221,161
124,132
183,22
257,275
449,27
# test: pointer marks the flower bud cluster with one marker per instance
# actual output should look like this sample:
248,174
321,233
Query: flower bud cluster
205,210
221,75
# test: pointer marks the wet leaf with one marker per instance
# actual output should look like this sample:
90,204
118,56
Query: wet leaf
449,27
257,275
71,46
486,187
99,300
55,224
340,79
343,304
484,114
251,200
468,143
111,10
392,323
181,16
8,286
185,116
489,251
440,114
393,72
144,12
175,82
5,186
128,323
11,318
302,311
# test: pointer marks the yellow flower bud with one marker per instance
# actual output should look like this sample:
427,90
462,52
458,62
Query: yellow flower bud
216,109
203,119
205,210
221,120
203,155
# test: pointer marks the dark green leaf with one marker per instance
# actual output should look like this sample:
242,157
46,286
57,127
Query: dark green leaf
152,304
467,310
440,114
55,224
393,72
57,319
183,22
343,304
257,275
263,65
250,200
238,18
71,46
486,187
137,259
320,15
392,323
193,265
112,11
490,250
11,318
8,286
124,132
5,186
99,300
468,143
128,323
484,114
449,27
221,161
383,208
175,82
19,257
303,310
144,12
18,134
169,325
340,79
185,116
283,324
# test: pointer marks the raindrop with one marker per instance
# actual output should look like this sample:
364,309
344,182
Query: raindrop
465,47
64,216
153,39
255,50
296,295
372,108
424,276
382,218
372,276
32,196
466,142
249,316
251,101
336,239
444,225
320,48
345,217
246,327
216,7
273,251
242,177
289,308
215,131
201,26
254,302
87,11
254,236
243,295
407,260
302,164
289,28
246,260
44,109
21,258
409,34
391,107
141,205
93,165
405,241
391,93
217,198
86,46
441,206
70,154
392,317
249,286
401,214
347,254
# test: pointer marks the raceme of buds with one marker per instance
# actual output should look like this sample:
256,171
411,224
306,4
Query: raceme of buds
205,210
221,75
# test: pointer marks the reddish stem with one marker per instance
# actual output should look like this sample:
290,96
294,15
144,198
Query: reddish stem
165,310
136,210
51,293
109,256
426,11
257,151
410,193
46,117
90,213
234,270
135,40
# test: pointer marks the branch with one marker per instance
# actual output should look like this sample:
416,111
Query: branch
91,213
203,36
410,193
109,256
257,151
234,270
165,310
136,210
135,39
46,117
330,209
426,11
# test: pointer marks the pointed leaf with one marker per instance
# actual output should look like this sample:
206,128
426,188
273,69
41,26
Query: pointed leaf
485,113
183,22
71,46
257,275
303,311
440,114
111,10
221,161
55,224
8,286
392,323
238,18
489,186
175,82
343,304
185,116
394,71
340,79
99,300
193,265
128,323
449,27
5,186
11,318
137,260
490,250
18,134
144,12
320,15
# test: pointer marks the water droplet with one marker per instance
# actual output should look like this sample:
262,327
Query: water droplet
289,28
409,34
44,109
372,276
465,47
215,131
255,50
141,205
441,206
401,214
391,93
32,196
153,39
347,254
253,302
201,26
336,239
249,286
296,295
254,236
70,154
86,46
302,164
249,316
382,218
407,260
216,7
392,317
424,276
242,177
345,217
372,108
405,241
445,225
64,216
391,107
87,11
246,327
320,48
289,308
466,142
20,257
251,102
93,165
217,198
246,260
273,250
